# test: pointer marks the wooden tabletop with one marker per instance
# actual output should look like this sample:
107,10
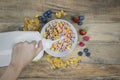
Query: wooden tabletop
102,18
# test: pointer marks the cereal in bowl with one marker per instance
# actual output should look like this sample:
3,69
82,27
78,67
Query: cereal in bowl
57,29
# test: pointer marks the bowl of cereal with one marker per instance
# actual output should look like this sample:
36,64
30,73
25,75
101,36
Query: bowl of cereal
54,30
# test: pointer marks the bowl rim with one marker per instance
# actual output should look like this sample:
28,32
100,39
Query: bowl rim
60,54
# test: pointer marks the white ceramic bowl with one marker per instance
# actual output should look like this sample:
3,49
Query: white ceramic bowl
61,54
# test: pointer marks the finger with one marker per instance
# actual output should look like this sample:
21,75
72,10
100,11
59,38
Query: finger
39,48
40,45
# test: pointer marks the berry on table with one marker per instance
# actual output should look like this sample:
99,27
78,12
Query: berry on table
88,54
76,19
80,23
83,31
40,17
44,20
81,18
81,44
49,16
49,12
80,53
86,50
45,14
86,38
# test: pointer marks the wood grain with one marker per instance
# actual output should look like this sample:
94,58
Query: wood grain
42,70
102,18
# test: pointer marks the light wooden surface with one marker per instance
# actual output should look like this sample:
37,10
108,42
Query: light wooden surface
102,18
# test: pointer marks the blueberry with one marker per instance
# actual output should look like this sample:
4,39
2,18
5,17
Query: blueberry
40,17
49,16
44,20
49,12
88,54
45,14
86,50
80,23
80,53
81,17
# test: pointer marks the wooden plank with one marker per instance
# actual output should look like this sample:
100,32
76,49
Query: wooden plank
99,11
97,32
104,32
5,27
82,71
101,53
16,10
95,78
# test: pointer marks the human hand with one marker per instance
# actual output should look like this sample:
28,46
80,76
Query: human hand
24,52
